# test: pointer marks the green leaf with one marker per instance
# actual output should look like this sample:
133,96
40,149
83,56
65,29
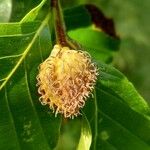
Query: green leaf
77,17
86,137
124,89
119,116
80,28
22,7
31,16
100,43
69,134
17,29
74,134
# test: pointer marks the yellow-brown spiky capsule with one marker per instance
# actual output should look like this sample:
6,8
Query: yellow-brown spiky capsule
65,80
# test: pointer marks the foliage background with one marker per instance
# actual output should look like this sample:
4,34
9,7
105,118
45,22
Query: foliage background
112,119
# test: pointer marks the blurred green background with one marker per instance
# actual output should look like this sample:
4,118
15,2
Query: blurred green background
132,20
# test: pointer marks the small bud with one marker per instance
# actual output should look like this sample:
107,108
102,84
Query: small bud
65,80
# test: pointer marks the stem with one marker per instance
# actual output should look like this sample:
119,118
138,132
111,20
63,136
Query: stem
60,29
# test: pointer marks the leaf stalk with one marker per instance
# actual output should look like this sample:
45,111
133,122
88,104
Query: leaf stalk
60,28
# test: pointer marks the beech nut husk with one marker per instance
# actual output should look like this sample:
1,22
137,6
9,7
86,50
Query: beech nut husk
65,80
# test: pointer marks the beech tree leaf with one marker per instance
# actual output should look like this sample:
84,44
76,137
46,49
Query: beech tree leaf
81,28
33,13
118,115
86,135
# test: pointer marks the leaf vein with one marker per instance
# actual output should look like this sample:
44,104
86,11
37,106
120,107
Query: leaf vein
11,56
96,120
120,125
40,49
11,117
18,35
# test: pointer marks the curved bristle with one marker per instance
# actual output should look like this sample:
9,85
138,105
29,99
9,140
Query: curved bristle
66,79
